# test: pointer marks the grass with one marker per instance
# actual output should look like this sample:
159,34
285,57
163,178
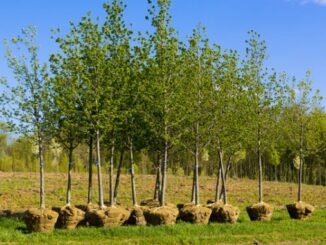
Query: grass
281,230
19,191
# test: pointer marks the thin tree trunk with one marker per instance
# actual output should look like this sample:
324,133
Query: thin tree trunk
260,184
193,190
225,200
99,173
228,167
301,164
165,162
196,176
111,194
158,178
217,189
68,195
117,179
90,171
42,198
132,174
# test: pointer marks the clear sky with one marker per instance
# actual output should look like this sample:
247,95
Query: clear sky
295,30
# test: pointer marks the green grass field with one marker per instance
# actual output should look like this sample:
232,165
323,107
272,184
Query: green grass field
281,230
20,191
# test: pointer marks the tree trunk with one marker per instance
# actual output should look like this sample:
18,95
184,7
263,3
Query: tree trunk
99,173
193,190
165,162
132,174
117,179
228,167
196,182
225,200
157,191
68,195
90,170
301,162
260,184
42,198
217,189
111,194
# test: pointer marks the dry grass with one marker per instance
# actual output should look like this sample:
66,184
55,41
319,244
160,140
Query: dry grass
19,191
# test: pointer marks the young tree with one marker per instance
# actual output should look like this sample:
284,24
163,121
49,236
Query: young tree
87,38
66,110
197,100
26,102
162,82
228,115
264,101
120,59
301,103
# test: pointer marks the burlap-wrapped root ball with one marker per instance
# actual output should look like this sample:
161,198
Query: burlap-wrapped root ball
69,217
300,210
166,215
195,214
260,212
107,217
214,206
40,219
136,217
225,214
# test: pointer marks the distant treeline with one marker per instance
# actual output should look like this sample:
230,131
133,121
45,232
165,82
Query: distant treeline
21,156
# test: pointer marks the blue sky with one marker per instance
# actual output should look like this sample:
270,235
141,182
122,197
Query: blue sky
295,30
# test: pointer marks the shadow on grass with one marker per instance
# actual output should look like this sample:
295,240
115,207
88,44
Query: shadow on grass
23,230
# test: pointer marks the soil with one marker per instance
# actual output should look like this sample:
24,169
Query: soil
40,219
260,212
195,214
165,215
300,210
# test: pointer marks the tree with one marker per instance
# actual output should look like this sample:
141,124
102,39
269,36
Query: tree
197,100
26,103
66,109
229,115
162,82
87,38
121,60
301,102
264,101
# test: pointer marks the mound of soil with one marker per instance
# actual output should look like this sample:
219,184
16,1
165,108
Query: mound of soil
107,217
166,215
69,217
40,219
136,217
225,214
260,212
195,214
300,210
152,203
215,206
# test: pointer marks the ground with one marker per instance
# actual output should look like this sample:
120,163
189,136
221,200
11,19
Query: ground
19,191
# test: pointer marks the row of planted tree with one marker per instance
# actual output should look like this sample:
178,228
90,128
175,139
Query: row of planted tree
106,86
